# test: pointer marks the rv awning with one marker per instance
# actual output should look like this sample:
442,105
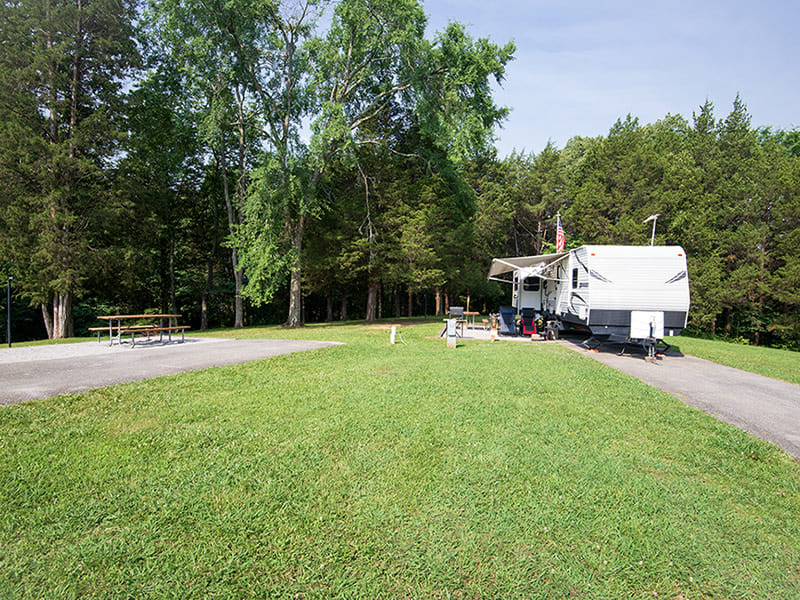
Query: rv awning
506,265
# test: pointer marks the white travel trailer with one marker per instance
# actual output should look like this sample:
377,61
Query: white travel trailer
633,292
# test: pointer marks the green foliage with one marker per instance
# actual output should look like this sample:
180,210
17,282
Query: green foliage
62,67
455,107
381,86
361,68
403,226
267,257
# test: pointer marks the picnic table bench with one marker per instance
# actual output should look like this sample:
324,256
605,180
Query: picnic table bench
167,324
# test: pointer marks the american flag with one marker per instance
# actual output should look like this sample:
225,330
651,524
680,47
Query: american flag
561,241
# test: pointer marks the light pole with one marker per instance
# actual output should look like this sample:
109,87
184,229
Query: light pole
652,218
8,307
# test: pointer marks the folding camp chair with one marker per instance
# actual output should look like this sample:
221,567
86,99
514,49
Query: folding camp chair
507,325
529,321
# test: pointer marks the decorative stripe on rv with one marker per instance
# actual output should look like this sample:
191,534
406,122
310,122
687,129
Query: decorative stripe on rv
580,262
597,275
572,299
678,277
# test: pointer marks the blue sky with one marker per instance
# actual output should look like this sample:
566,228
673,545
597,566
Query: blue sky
580,65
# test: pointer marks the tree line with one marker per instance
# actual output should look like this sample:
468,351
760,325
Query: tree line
289,161
727,192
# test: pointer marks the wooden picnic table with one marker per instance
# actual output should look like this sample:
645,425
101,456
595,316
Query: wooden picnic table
170,326
470,316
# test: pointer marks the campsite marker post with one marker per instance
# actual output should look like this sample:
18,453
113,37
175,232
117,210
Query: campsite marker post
451,333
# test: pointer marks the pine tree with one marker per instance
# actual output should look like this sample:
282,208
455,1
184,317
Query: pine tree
62,66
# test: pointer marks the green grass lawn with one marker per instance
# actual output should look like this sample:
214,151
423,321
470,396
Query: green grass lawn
495,470
772,362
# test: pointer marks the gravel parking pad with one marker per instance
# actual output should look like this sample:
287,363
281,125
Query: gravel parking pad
41,371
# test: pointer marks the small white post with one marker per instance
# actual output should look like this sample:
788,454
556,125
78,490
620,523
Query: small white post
451,333
393,334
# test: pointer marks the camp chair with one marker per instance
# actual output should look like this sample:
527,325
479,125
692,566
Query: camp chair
507,325
528,321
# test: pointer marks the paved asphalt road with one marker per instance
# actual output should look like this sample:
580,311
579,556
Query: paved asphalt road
767,408
41,371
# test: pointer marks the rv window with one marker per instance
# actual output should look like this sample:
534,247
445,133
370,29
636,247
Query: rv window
531,284
574,278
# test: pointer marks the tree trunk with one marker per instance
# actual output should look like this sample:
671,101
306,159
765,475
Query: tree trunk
396,297
59,322
329,307
438,295
173,308
53,139
238,313
48,320
343,310
204,310
238,308
241,193
65,315
295,318
761,296
372,301
206,293
410,303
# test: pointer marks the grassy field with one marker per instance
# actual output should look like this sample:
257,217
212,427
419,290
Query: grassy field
772,362
505,470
